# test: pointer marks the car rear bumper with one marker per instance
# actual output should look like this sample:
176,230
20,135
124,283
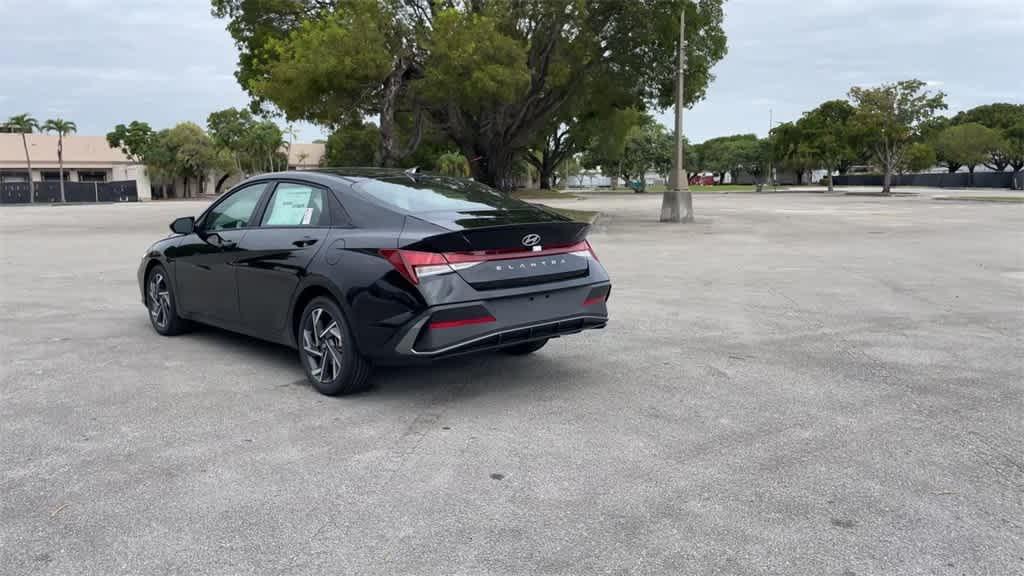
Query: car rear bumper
492,324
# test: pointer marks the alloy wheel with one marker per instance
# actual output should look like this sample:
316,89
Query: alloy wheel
322,343
159,300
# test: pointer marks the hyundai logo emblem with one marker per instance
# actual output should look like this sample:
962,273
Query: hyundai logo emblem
531,239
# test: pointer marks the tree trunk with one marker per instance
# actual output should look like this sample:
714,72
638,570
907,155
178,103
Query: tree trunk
970,176
389,98
545,179
830,187
493,166
28,160
60,165
220,183
887,181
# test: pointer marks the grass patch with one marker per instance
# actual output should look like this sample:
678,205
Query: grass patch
1004,199
577,215
537,194
660,188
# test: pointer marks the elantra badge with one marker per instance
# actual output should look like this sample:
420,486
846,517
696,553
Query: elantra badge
531,239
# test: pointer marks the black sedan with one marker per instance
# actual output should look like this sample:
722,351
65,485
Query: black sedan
357,267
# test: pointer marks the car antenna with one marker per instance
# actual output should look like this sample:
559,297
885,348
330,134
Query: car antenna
411,173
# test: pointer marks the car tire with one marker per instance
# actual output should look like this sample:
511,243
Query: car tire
525,348
160,302
328,352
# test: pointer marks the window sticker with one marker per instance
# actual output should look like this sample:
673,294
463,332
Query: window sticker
290,206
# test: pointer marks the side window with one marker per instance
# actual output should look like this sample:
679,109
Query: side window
296,205
236,210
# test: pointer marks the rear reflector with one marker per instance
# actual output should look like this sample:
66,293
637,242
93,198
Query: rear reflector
597,295
462,322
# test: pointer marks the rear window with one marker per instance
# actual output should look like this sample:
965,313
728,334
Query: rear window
435,194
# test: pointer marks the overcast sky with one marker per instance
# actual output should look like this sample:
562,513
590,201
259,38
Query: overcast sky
103,62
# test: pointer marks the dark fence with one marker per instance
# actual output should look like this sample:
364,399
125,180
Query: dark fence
49,192
957,180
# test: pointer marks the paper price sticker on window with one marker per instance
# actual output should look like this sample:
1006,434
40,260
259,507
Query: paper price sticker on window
290,206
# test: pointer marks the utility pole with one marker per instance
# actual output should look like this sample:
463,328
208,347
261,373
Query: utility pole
677,202
771,148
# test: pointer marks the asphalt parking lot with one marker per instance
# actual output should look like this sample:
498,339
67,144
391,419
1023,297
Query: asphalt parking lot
795,384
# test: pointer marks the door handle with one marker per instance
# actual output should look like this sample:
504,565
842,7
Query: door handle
304,242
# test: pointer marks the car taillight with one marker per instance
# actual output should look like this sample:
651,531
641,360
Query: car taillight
586,252
413,264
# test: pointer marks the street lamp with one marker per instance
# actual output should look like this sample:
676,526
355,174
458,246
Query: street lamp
677,201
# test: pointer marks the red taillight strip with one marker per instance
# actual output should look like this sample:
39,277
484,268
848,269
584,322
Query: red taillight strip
414,264
463,322
486,255
595,300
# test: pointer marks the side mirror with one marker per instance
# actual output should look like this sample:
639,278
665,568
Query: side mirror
185,225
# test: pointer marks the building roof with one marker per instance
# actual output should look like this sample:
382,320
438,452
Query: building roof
78,150
93,151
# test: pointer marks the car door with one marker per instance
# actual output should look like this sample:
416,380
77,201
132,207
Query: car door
204,260
276,254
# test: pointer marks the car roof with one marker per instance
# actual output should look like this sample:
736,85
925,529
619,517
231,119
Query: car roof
353,174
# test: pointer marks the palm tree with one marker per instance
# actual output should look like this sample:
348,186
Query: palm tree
25,124
292,134
61,127
453,164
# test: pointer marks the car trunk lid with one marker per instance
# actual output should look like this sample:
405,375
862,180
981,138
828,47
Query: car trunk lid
504,249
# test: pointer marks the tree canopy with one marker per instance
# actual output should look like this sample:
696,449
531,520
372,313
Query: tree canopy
491,75
829,135
889,117
968,144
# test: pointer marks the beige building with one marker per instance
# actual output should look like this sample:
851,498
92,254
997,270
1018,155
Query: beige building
86,159
91,159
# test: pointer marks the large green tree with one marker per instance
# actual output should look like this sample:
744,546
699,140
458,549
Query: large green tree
229,129
25,124
889,119
968,144
648,147
789,146
1014,137
61,127
1003,118
492,74
604,142
134,140
920,156
184,153
353,144
828,136
254,145
726,155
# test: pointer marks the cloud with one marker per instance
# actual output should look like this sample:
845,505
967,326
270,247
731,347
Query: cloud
790,55
103,62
